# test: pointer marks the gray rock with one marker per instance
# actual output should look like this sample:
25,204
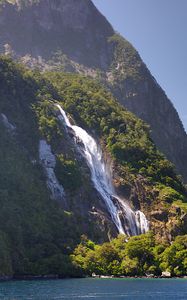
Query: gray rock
48,162
9,126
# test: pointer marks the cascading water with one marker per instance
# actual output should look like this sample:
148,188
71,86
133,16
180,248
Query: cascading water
126,220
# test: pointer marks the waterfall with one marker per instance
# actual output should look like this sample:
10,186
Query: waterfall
142,221
126,220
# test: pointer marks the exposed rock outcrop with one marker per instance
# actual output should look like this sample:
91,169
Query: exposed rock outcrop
48,162
10,127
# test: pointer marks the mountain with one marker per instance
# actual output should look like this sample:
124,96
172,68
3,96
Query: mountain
73,34
74,161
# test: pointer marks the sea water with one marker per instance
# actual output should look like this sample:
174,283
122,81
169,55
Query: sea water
99,289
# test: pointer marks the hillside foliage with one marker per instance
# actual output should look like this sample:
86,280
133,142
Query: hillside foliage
126,137
36,234
135,256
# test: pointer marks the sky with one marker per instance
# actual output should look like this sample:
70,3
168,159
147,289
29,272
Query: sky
158,30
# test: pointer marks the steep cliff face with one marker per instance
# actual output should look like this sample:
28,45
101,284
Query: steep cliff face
152,105
138,91
41,28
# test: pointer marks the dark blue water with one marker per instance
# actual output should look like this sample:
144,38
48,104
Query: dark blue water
100,289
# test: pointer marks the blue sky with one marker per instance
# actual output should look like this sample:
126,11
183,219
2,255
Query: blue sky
158,30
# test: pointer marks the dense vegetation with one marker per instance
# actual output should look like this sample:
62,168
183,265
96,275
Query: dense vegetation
123,135
34,231
37,235
135,256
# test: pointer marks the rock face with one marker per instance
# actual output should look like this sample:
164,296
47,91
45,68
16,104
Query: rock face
167,129
146,99
41,28
10,127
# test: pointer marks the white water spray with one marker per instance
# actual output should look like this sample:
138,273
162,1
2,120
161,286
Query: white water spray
126,220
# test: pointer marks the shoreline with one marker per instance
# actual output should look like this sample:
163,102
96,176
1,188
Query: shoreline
58,277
